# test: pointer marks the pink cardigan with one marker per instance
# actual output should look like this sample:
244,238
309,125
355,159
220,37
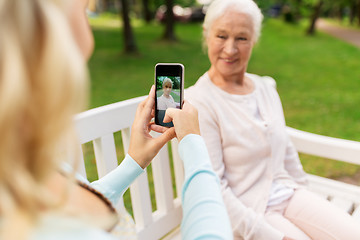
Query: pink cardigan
247,154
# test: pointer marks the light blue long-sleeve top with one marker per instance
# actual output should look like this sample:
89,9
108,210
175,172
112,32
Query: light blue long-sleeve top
204,213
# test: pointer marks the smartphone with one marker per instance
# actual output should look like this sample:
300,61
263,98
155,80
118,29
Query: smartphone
169,85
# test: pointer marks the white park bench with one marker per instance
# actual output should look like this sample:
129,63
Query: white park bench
99,125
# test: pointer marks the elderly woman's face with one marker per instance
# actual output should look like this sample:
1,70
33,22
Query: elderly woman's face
230,41
167,89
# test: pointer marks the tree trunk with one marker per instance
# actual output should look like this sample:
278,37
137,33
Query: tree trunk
358,12
341,13
169,33
352,12
129,40
314,18
146,11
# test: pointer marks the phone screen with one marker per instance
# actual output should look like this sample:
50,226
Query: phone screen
169,85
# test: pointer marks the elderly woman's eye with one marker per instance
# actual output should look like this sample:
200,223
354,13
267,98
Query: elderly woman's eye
242,38
221,36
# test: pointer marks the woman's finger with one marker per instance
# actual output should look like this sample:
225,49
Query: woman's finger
170,114
161,140
157,128
152,113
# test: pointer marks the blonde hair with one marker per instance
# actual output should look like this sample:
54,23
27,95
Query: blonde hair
42,85
218,7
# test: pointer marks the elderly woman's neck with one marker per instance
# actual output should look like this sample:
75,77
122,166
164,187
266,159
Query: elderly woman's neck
237,84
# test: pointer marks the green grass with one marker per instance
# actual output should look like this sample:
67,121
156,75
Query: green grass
318,78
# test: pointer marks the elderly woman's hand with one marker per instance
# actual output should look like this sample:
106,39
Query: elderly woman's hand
185,120
143,147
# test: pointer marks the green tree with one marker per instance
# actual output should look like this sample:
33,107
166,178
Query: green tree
352,12
358,12
186,3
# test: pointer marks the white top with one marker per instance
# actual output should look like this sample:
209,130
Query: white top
278,192
164,103
248,155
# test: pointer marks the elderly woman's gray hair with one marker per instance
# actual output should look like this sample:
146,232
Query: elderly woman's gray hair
218,7
167,81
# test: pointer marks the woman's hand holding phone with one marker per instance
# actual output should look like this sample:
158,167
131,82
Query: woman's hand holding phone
143,147
169,84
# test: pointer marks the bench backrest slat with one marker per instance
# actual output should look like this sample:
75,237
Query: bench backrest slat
98,126
105,154
324,146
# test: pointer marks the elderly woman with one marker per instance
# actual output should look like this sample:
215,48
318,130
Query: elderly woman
166,101
242,122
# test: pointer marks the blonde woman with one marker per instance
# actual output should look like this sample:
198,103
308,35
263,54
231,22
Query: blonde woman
44,45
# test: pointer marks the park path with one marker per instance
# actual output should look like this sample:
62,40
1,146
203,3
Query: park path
351,36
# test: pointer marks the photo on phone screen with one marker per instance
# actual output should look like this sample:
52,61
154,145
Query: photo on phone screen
169,89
